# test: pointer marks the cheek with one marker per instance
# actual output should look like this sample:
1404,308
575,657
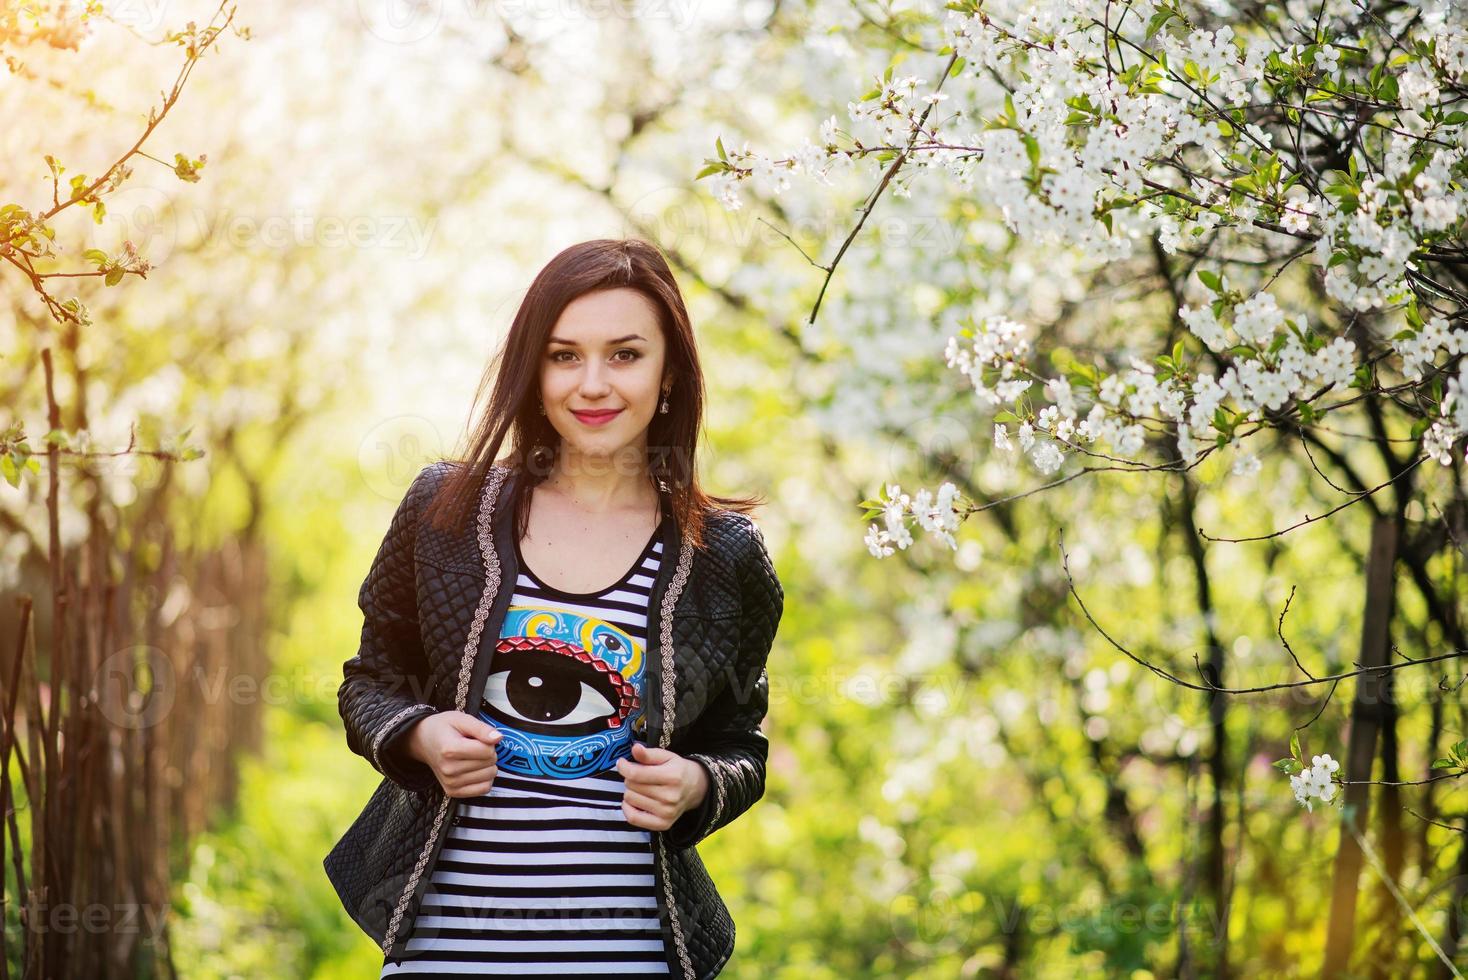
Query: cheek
557,386
651,388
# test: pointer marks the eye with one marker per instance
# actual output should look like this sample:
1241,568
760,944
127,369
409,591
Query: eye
545,686
555,356
546,698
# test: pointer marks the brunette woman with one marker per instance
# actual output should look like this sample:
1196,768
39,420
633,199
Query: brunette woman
566,695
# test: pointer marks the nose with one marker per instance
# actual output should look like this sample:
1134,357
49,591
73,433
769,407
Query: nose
593,381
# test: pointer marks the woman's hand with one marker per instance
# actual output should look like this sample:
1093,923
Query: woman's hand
459,748
661,786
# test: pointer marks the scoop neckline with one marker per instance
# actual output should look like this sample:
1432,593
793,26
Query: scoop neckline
637,563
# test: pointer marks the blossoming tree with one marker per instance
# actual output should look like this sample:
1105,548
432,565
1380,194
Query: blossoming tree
1293,174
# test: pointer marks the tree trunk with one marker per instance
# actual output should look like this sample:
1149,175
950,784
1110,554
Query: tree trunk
1366,718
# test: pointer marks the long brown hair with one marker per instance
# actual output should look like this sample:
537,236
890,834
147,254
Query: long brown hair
513,379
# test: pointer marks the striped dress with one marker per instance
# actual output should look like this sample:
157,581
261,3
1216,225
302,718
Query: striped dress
544,875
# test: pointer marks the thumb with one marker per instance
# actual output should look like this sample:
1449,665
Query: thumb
648,755
467,724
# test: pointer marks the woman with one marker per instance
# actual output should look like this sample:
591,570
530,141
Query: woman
565,697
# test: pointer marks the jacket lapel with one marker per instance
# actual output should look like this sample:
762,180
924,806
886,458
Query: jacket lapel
662,684
492,527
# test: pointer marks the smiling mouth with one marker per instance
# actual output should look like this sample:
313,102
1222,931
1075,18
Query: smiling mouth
597,417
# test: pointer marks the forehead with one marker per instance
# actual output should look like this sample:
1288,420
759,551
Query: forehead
601,316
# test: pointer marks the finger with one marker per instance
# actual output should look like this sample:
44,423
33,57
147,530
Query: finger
486,732
461,784
651,755
462,767
643,819
647,770
470,748
476,728
470,790
650,804
641,775
631,771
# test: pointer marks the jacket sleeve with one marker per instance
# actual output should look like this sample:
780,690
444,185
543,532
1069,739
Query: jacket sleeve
383,691
727,740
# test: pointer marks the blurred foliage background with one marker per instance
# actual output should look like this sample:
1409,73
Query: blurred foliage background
965,778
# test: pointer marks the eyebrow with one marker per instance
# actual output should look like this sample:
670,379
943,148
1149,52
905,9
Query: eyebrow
614,340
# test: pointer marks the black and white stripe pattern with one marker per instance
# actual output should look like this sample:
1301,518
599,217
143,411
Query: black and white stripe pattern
623,603
541,876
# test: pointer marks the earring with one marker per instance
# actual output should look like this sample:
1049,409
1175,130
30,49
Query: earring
542,408
664,407
659,468
541,458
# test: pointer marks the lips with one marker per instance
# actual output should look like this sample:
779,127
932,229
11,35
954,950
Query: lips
598,417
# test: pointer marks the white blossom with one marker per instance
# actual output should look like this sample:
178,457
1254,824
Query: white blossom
1315,783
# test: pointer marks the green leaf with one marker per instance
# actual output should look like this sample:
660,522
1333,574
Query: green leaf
1295,743
1032,150
1211,280
114,276
1158,20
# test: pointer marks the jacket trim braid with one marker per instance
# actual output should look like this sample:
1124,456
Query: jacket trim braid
665,733
718,784
391,722
466,670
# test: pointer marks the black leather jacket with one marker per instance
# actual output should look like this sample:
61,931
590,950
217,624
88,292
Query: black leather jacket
434,602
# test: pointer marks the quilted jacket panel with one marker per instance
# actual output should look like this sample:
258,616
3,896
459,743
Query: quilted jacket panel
434,601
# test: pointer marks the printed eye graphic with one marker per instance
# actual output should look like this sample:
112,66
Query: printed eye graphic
551,687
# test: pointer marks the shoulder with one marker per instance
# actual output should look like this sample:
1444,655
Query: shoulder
430,478
426,485
736,535
749,563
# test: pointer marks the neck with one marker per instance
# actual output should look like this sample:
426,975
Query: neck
602,484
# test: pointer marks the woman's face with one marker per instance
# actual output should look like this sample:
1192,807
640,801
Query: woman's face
601,374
